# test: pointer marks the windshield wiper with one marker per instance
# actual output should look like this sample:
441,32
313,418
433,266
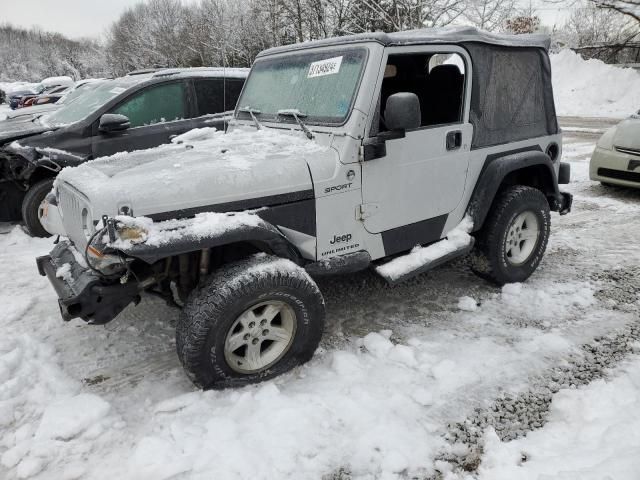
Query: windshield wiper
297,114
252,112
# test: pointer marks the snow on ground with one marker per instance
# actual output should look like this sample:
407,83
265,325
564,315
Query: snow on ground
592,88
396,365
593,433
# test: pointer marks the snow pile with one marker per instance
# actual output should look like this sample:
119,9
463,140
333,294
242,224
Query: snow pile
520,299
10,87
375,404
44,420
467,304
591,88
64,272
457,239
373,408
593,433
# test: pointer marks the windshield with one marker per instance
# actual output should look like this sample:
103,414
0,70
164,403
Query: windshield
88,102
81,90
320,86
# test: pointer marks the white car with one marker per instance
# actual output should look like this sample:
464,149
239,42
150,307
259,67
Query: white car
616,159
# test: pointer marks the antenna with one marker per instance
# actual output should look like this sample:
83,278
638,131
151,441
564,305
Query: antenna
224,64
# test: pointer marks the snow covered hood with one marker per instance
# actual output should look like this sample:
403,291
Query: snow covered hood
14,130
200,169
628,133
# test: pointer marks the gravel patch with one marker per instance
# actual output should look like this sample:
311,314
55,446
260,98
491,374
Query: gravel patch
513,416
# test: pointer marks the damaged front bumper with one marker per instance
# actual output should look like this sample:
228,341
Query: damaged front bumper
83,293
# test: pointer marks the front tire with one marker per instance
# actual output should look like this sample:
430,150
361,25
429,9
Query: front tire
31,207
514,237
251,321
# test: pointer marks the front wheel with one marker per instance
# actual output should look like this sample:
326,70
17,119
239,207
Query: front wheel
251,321
514,237
31,206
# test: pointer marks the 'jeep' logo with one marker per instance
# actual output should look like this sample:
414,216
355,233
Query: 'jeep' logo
337,188
340,239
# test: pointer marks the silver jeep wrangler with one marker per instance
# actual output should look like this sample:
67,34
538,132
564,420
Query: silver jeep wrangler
393,151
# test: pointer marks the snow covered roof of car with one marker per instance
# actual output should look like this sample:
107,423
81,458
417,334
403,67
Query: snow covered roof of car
449,35
202,72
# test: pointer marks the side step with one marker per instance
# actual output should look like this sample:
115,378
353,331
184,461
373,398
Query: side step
348,263
423,259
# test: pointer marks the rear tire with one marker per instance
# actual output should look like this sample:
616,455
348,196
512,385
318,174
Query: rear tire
514,237
31,206
251,321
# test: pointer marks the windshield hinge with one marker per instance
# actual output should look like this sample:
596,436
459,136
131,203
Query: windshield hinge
366,210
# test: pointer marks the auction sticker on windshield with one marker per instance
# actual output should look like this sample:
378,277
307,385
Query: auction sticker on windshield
328,66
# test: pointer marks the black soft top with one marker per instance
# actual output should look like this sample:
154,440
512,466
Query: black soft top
448,35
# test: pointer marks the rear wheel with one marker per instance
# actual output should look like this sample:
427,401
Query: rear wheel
514,237
253,320
31,207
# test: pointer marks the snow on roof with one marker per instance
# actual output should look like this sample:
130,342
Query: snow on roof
448,35
203,72
53,81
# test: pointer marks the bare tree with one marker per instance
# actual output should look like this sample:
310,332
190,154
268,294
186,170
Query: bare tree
489,15
591,25
630,8
34,54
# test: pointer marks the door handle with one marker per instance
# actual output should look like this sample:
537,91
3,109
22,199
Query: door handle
454,140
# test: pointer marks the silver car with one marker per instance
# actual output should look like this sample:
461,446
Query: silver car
616,159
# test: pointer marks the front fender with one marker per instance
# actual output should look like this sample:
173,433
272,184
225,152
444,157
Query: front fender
175,237
534,168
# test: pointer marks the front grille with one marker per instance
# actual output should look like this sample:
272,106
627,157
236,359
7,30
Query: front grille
74,213
619,174
628,151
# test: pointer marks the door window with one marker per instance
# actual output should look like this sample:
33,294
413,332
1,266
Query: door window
436,78
209,95
157,104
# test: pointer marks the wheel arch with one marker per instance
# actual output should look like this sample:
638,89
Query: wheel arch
530,168
261,235
41,173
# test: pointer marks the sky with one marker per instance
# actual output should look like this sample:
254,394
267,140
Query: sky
91,18
73,18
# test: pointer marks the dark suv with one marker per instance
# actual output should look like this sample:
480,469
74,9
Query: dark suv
129,113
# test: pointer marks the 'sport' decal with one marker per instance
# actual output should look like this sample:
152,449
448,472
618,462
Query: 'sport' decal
337,188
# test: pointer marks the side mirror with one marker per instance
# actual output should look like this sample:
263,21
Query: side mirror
403,111
113,122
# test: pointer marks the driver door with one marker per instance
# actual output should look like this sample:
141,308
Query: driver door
157,113
409,191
